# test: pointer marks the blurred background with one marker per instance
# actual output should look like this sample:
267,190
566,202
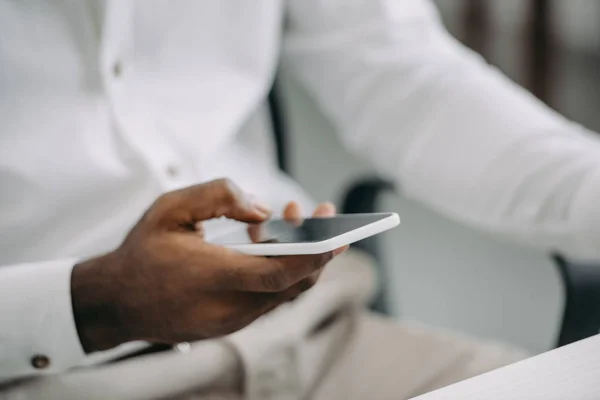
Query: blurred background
445,274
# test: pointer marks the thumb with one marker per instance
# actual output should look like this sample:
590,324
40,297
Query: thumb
214,199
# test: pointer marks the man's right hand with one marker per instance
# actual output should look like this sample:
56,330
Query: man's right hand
165,284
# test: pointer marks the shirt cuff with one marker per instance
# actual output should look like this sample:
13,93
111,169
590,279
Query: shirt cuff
38,334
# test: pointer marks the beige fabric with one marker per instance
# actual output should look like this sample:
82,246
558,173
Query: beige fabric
210,365
324,346
386,360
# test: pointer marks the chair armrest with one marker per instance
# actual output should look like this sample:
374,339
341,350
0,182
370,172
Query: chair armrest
363,196
581,315
278,125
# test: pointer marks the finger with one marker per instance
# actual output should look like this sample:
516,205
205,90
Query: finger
276,274
218,198
259,204
256,232
262,303
293,291
315,275
292,211
340,250
324,210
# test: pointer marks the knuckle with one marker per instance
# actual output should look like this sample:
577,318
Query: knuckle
316,262
307,283
228,190
325,258
275,280
221,182
163,201
232,279
311,281
225,184
158,209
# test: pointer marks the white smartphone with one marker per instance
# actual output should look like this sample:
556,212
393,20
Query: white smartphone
279,237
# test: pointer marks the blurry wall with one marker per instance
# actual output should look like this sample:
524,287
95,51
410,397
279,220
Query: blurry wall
445,274
577,21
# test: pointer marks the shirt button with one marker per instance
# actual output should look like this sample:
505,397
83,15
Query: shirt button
40,361
172,171
117,69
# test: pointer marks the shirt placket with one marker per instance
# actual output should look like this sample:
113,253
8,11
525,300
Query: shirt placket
131,118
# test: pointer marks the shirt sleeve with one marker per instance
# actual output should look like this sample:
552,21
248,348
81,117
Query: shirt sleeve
454,132
38,333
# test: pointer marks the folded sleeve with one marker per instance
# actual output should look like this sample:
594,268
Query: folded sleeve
455,133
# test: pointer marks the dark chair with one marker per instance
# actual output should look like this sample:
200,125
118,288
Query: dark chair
581,316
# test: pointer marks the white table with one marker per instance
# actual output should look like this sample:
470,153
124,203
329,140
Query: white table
568,373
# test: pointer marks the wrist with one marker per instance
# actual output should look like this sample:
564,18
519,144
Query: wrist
95,304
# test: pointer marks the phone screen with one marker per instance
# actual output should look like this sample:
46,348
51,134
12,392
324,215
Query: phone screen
308,230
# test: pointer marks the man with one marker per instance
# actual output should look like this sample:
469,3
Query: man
106,105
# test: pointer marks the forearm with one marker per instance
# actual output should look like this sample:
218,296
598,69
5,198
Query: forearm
485,152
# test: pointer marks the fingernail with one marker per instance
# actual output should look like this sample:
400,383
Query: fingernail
329,204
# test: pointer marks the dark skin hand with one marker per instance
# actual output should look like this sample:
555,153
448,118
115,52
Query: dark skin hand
165,284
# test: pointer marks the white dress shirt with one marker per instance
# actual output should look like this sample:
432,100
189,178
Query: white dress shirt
106,104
